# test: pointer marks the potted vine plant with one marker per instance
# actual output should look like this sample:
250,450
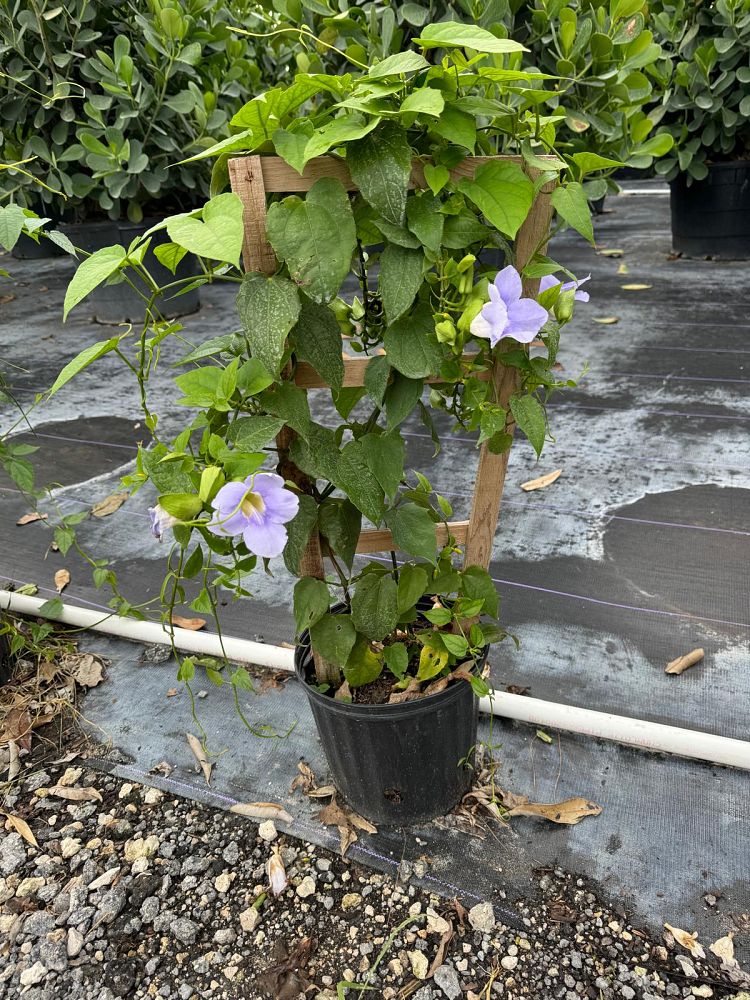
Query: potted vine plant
707,109
402,190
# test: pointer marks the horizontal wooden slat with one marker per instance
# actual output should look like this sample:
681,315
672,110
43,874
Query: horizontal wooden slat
381,540
354,373
280,178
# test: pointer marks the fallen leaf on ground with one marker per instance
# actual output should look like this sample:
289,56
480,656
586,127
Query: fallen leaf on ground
30,518
71,776
305,780
193,624
162,768
568,813
262,810
562,913
687,941
606,320
636,287
62,579
85,668
682,663
276,872
17,727
346,821
724,948
614,252
623,269
75,794
544,737
5,299
445,940
109,504
173,692
22,827
14,764
546,480
28,589
197,748
286,978
343,693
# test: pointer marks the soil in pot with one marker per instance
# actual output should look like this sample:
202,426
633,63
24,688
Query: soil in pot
119,303
711,218
396,765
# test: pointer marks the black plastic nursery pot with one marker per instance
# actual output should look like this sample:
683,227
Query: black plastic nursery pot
27,248
396,765
711,218
119,303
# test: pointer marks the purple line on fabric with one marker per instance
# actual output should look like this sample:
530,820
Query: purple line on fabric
623,607
693,350
596,600
641,461
531,505
103,444
658,413
672,378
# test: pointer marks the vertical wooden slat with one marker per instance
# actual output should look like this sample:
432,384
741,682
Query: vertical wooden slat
246,178
492,469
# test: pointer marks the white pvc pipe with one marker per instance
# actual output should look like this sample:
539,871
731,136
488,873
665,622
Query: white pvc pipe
602,725
633,732
205,643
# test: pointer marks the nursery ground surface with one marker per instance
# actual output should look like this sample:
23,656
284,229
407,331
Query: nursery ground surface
637,554
134,892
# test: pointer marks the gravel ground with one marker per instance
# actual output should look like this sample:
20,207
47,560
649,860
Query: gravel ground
143,895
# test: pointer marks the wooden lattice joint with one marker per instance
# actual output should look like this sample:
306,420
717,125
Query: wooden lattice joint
253,178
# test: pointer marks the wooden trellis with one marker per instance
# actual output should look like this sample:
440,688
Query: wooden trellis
255,177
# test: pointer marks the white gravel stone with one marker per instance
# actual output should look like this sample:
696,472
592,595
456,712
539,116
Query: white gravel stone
419,964
482,918
33,975
74,942
306,887
509,962
267,831
249,919
447,981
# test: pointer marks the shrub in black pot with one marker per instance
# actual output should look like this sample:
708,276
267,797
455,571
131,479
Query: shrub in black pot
707,110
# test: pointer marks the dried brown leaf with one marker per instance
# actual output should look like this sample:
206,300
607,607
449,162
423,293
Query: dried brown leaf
606,320
262,810
30,518
197,748
85,668
193,624
276,872
173,692
724,948
162,768
305,780
109,504
687,941
22,827
542,481
5,299
86,794
445,940
682,663
412,691
62,579
14,763
324,792
343,693
567,813
347,822
17,727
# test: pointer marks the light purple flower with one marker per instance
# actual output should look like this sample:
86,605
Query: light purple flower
507,314
160,521
549,281
256,508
